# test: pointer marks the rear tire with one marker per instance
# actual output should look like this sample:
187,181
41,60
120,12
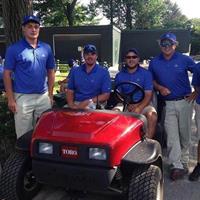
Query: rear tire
146,184
17,180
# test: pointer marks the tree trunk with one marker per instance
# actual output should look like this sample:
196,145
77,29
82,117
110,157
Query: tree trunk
13,13
69,10
128,17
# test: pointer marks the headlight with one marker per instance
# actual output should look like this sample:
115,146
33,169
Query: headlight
45,148
97,154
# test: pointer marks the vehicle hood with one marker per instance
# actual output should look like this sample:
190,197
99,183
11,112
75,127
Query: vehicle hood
116,131
84,126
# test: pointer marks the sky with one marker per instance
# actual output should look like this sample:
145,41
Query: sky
190,8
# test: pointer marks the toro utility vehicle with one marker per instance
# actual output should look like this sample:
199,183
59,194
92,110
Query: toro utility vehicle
87,150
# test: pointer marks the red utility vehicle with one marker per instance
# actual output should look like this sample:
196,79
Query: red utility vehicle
86,150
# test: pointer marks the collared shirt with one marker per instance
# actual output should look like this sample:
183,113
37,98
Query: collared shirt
196,79
29,66
88,85
173,74
141,76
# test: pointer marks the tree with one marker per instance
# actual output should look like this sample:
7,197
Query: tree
129,14
195,32
148,14
172,17
13,13
63,13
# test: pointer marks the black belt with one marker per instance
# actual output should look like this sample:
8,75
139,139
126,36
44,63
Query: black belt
176,99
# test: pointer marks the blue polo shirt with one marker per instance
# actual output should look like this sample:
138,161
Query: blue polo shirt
173,74
88,85
141,76
196,79
29,66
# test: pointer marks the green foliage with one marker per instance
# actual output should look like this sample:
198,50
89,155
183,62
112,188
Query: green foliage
63,68
6,119
195,30
63,13
142,14
172,17
148,14
7,130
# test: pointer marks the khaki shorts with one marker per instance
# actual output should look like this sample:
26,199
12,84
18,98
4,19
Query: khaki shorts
29,109
147,109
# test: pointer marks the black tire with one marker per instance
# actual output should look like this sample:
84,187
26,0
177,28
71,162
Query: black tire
146,184
17,181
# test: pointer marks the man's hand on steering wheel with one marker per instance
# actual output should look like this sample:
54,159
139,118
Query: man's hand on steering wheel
134,96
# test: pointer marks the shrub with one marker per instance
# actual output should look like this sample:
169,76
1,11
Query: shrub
7,130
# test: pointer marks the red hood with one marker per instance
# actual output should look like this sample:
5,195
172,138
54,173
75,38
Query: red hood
83,125
116,130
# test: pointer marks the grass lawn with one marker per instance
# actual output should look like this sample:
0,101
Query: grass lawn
59,76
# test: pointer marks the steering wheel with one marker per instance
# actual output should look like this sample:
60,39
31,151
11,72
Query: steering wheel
135,95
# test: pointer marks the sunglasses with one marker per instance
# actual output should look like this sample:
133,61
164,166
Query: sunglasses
133,57
166,44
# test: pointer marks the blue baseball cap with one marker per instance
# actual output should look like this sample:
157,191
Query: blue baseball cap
71,61
133,50
168,36
89,48
30,18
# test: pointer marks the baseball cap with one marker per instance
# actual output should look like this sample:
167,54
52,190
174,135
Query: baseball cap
30,18
89,48
168,36
71,61
133,50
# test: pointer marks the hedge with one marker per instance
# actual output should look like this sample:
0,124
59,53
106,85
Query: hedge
7,130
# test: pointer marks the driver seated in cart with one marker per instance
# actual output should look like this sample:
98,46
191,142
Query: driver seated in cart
133,72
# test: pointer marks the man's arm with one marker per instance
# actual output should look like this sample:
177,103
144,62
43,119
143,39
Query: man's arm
51,80
9,90
163,90
70,99
101,98
138,108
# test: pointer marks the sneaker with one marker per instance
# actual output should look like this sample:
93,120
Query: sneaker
194,176
177,173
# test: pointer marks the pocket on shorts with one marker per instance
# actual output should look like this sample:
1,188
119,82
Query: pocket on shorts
18,96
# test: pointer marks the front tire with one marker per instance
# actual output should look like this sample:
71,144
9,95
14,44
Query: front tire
146,184
17,180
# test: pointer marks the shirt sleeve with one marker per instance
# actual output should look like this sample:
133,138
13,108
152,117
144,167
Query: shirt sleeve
190,64
9,59
71,84
106,86
196,76
150,69
148,81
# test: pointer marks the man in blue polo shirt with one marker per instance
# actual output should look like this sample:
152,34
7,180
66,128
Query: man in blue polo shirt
194,176
170,76
88,84
133,72
29,64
